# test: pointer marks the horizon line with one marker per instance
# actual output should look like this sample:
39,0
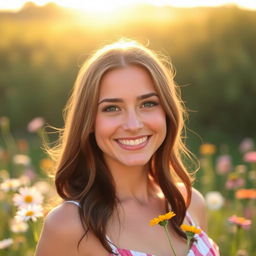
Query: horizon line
17,9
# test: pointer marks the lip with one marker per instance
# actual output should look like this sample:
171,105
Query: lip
132,138
133,147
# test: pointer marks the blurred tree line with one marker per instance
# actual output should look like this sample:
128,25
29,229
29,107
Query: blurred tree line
212,49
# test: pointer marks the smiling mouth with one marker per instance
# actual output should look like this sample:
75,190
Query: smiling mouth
133,142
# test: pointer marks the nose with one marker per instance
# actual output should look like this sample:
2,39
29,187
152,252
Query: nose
132,121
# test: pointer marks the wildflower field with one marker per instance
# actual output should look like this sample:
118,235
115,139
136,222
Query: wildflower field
26,193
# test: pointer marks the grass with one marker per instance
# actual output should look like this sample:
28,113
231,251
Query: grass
232,238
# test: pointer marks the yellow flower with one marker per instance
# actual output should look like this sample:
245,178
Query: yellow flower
207,149
191,229
190,233
46,165
161,218
154,221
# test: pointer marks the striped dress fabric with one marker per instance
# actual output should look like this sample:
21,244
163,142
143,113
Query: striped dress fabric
203,246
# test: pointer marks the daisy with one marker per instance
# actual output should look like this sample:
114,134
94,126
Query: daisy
10,185
27,196
21,159
30,212
18,226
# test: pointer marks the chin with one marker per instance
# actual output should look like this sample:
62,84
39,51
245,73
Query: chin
135,162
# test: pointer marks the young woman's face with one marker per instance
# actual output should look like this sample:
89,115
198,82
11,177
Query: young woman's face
130,122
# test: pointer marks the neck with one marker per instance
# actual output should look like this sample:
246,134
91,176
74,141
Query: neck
131,183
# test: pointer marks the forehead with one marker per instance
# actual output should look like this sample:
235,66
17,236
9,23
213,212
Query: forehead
126,81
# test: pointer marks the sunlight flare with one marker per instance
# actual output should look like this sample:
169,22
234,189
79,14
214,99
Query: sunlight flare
101,6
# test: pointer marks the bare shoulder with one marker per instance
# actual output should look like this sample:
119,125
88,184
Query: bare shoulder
197,207
63,218
61,232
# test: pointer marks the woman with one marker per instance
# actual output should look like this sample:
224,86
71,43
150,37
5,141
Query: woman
119,162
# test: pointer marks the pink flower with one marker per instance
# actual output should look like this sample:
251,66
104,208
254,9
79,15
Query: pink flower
250,157
234,181
246,145
240,221
223,164
35,124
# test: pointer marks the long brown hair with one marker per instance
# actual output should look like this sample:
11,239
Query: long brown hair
81,173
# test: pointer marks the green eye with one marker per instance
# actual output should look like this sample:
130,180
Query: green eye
149,104
110,109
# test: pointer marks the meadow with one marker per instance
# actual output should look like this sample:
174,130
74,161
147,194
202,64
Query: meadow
212,51
27,193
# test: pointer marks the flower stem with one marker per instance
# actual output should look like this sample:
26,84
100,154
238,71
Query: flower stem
169,239
238,238
34,232
188,245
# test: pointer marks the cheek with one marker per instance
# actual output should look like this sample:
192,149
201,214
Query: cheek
158,122
104,128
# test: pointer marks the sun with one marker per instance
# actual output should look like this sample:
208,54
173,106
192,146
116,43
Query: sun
108,7
96,6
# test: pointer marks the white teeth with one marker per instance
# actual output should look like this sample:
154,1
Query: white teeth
133,142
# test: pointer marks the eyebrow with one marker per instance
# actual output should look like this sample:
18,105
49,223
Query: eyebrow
141,97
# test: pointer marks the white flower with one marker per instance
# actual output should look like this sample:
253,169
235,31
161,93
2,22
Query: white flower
18,226
214,200
10,184
42,186
30,212
6,243
27,196
21,159
25,180
246,145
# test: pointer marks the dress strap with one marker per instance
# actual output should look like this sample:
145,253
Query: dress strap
72,202
190,219
113,247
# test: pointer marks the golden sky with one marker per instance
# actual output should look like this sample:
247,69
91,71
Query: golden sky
100,5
